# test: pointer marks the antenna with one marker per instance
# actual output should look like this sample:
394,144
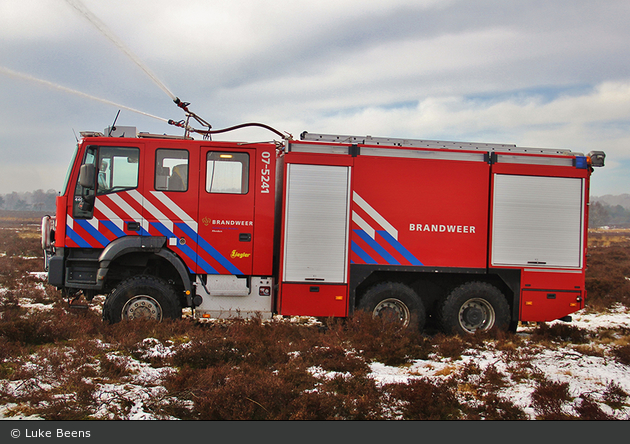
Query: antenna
113,127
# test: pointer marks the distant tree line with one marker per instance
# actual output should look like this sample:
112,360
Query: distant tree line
601,215
38,200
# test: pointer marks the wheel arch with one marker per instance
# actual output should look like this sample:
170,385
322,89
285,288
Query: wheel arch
143,252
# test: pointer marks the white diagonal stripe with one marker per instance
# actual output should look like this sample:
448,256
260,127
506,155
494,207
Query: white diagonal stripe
374,215
125,207
363,225
151,209
175,209
109,214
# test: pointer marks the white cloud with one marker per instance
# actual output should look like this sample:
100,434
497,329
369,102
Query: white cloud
534,73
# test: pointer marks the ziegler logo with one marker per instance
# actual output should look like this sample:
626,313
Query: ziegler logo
236,255
435,228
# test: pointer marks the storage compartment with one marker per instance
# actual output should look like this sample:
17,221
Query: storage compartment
312,299
537,221
316,223
549,305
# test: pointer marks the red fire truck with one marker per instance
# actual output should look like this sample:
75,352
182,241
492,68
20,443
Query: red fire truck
473,235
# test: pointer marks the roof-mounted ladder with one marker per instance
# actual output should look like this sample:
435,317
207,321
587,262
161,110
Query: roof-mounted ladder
436,144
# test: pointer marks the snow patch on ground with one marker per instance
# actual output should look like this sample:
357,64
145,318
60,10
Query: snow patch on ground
585,374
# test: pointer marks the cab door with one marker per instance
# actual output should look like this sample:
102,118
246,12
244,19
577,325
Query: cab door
226,210
102,209
170,199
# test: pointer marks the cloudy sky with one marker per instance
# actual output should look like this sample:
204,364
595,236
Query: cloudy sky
542,73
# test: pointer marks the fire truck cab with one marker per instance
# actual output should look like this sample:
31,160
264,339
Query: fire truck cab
474,236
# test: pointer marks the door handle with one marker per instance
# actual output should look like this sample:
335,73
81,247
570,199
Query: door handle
245,237
133,226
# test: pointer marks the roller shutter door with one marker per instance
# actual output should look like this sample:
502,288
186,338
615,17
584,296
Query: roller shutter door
316,223
537,221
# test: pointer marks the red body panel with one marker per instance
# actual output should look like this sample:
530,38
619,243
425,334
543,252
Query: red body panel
435,212
314,300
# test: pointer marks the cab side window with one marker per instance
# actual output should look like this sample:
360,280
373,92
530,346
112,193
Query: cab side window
171,170
117,169
227,173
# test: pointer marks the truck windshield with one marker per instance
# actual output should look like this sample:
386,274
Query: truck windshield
69,171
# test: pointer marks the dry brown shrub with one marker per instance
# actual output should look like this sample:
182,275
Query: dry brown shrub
199,354
224,392
494,407
606,281
549,397
492,379
40,327
449,346
126,335
589,410
20,243
622,354
560,332
113,367
74,401
296,373
422,399
337,359
378,340
346,397
615,396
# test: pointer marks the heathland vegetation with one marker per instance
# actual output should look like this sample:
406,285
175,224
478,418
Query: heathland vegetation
58,363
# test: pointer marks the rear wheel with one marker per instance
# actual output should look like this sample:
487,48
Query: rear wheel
395,301
142,297
474,306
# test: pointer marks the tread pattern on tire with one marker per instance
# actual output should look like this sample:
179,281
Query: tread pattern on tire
448,312
397,290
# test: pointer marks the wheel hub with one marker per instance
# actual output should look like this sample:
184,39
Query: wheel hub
142,307
476,314
393,309
473,315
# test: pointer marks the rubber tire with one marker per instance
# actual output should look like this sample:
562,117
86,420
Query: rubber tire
487,294
161,296
399,294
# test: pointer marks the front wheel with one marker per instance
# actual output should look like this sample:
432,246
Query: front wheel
474,306
395,301
142,297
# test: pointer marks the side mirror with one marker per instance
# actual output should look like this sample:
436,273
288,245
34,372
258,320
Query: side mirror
87,174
